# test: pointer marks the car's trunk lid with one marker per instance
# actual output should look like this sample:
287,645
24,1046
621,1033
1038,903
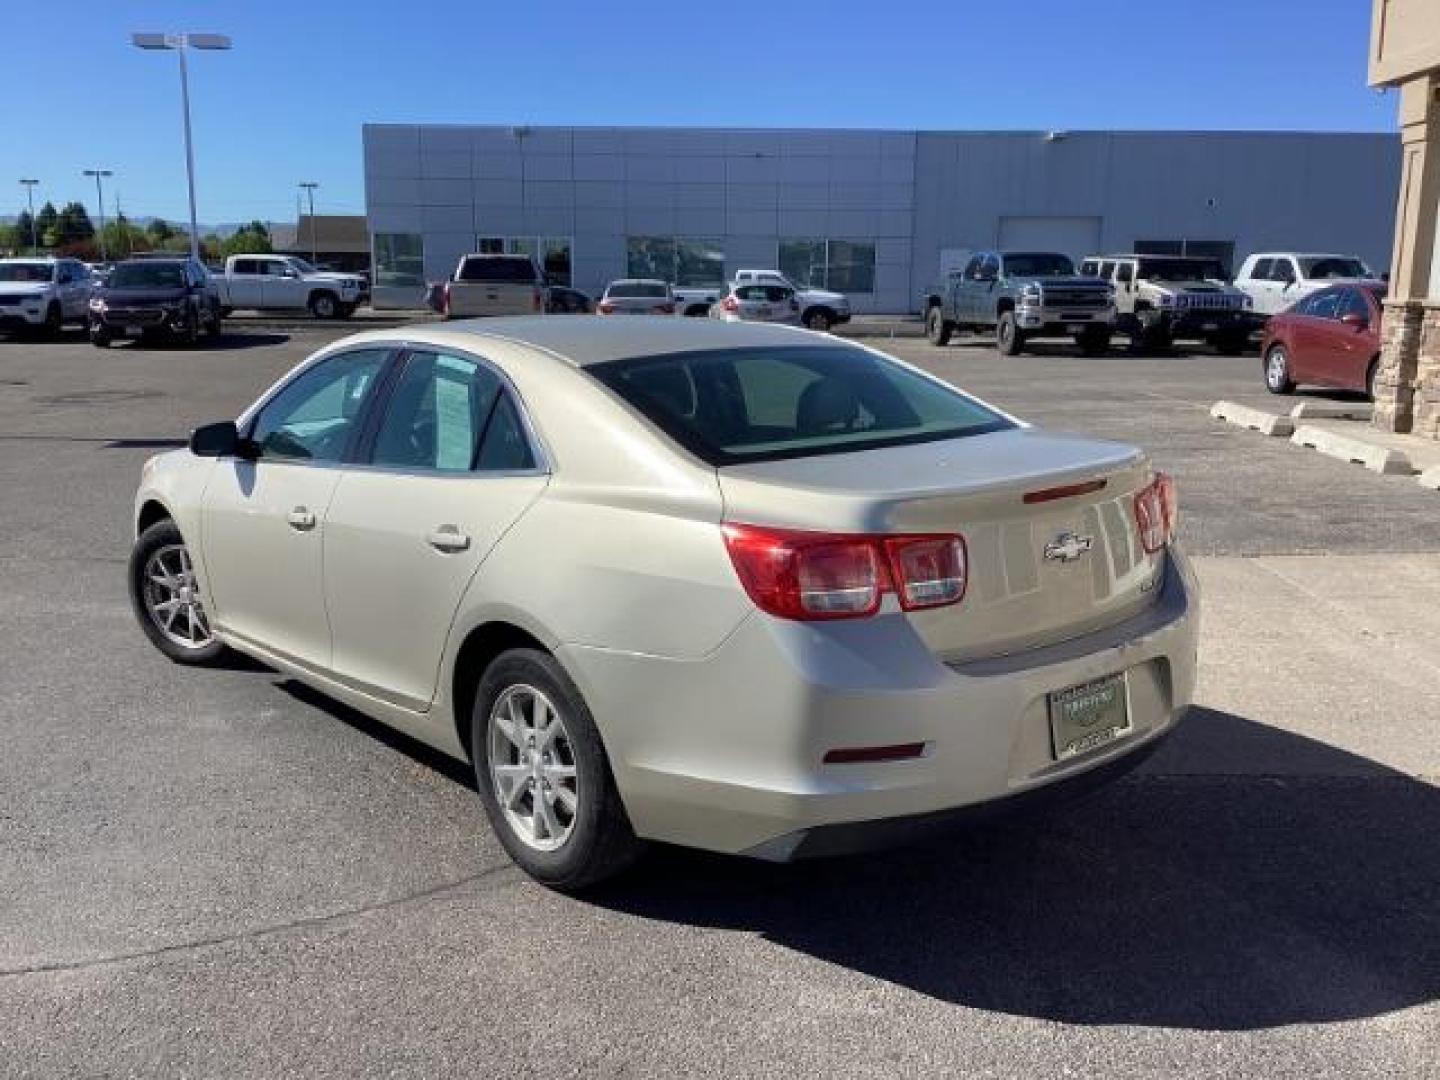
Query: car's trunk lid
1040,571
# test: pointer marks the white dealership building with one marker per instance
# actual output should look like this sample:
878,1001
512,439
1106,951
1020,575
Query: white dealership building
874,214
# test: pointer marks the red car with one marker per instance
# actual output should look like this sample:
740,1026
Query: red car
1330,338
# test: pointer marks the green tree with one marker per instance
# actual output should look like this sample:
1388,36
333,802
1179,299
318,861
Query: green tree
23,225
47,224
211,248
252,239
73,224
123,238
159,231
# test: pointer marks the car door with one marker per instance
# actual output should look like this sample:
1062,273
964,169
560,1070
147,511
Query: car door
451,466
1285,285
263,520
1311,337
1353,340
242,283
963,288
280,284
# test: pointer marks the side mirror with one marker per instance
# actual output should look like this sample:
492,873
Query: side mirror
1355,319
220,440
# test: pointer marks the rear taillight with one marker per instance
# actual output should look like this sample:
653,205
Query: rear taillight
811,575
730,304
606,308
1157,513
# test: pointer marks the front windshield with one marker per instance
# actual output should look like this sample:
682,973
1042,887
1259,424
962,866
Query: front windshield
1043,264
143,275
731,406
1327,267
301,265
23,271
1181,270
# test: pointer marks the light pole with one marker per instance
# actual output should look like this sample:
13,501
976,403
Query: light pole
30,203
100,197
182,43
310,186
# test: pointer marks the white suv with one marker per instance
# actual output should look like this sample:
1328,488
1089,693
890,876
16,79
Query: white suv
43,293
1275,280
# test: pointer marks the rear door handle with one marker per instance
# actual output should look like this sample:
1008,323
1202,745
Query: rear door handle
448,538
301,519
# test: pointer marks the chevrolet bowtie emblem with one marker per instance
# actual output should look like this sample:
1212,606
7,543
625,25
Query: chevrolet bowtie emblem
1067,547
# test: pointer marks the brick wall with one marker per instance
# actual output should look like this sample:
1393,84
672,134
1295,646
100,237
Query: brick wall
1427,376
1400,335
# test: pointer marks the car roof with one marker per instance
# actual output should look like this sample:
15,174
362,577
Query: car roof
583,342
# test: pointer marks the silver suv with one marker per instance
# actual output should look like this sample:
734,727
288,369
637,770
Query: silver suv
1160,299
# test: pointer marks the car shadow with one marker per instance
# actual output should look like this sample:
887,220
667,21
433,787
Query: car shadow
228,341
1184,899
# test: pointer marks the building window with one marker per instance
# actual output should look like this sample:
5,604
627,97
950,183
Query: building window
846,266
551,252
1224,250
680,260
399,260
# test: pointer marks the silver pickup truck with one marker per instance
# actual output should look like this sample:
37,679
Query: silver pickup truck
488,285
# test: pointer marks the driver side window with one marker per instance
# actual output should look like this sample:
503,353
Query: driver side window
314,416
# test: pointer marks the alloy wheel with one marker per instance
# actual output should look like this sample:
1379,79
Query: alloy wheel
1276,369
172,598
532,767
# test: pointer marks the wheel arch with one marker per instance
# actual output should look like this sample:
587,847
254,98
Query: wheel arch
1005,303
151,511
479,648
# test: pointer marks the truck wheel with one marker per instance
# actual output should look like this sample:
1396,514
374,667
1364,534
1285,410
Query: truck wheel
1094,341
1008,335
189,332
100,337
938,328
818,319
54,321
212,328
323,305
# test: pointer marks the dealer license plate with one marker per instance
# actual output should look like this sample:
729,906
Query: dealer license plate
1076,328
134,331
1086,717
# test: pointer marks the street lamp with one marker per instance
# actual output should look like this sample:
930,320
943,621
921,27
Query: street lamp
30,202
100,195
182,43
310,186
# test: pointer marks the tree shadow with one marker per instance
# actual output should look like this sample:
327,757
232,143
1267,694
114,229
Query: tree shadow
1196,899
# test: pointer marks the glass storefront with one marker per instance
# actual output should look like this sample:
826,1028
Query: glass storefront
399,260
680,260
846,266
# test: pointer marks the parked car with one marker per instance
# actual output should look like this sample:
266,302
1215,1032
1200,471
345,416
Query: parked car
484,286
636,296
1330,338
695,301
284,282
153,298
742,588
43,294
758,303
1160,299
820,309
562,300
1275,280
1021,295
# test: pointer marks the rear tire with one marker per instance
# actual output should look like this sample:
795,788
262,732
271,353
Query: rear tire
1277,371
1009,338
938,328
562,786
323,305
1370,373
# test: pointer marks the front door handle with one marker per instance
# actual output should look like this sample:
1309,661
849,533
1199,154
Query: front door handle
301,519
448,538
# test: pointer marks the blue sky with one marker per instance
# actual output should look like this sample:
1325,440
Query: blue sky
287,104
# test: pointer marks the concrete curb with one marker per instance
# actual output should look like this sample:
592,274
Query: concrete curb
1430,478
1253,419
1333,410
1378,459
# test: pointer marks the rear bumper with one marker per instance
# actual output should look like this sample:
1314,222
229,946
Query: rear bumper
727,752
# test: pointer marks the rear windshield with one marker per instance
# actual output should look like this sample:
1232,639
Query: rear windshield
648,289
773,294
733,406
147,275
35,271
498,268
1162,269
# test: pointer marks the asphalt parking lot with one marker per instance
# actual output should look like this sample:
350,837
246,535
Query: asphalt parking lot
220,873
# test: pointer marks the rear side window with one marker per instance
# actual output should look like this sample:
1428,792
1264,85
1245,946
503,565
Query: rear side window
1324,305
755,404
1262,270
499,268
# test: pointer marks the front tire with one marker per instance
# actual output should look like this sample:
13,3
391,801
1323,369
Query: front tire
323,305
938,328
100,338
54,322
1277,370
544,777
165,595
818,319
1008,336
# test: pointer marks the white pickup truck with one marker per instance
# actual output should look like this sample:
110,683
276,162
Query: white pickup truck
280,282
1276,280
820,309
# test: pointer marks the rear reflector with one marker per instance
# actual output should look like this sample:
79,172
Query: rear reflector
851,755
1069,491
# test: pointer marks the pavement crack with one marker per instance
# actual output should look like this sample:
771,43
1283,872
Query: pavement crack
261,931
